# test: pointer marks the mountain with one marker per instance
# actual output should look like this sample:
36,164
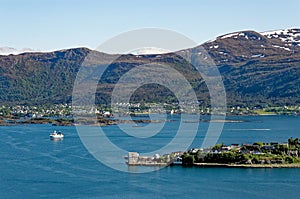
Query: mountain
259,66
256,68
37,78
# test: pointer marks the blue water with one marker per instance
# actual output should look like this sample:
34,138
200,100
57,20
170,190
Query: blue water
32,166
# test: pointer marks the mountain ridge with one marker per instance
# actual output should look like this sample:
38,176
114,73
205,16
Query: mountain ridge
255,67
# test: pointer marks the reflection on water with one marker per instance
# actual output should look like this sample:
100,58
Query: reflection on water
56,139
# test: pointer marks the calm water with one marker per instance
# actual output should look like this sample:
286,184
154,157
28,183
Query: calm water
32,166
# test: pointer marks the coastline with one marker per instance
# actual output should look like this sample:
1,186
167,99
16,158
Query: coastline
161,164
247,165
217,165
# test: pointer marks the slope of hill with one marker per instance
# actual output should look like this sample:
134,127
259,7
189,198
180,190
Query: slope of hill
256,68
39,77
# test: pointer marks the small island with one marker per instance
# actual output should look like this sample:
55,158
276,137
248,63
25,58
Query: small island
256,155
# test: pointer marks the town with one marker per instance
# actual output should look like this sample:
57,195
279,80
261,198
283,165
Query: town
65,110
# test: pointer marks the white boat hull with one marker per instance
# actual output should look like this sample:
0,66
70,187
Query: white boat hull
56,137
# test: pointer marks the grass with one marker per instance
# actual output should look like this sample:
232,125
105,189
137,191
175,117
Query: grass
264,112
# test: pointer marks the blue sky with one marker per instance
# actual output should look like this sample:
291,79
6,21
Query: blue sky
58,24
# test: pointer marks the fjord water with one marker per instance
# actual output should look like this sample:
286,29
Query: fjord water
32,166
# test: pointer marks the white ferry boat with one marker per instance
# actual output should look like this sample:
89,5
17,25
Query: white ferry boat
56,135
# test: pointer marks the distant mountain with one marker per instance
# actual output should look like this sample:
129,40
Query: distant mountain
149,51
13,51
256,68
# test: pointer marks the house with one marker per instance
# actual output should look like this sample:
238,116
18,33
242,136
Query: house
107,114
234,146
156,156
193,150
257,153
251,147
215,152
206,150
268,147
177,161
225,148
292,153
177,153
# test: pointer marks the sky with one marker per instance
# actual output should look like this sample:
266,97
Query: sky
59,24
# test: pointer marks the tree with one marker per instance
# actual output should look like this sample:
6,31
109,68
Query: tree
289,159
291,142
280,149
255,160
188,160
296,142
217,147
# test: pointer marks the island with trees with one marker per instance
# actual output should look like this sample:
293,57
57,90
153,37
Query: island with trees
258,154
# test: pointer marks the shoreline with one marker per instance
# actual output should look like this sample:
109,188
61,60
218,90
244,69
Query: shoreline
247,165
162,164
11,121
218,165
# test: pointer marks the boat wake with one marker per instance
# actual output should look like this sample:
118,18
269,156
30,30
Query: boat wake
250,129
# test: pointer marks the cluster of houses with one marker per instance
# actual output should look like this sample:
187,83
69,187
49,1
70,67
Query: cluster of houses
172,108
175,158
254,148
35,111
57,110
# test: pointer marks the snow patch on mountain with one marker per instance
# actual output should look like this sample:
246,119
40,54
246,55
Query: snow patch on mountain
245,34
282,47
229,35
258,55
290,37
285,35
216,46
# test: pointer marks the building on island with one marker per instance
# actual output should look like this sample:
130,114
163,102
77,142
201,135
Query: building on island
133,157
